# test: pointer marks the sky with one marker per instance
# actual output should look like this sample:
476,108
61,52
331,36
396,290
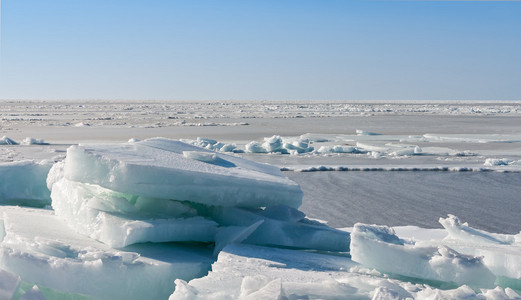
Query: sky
260,50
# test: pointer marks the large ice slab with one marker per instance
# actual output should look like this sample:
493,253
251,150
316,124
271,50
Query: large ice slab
23,183
157,168
41,249
501,252
119,219
380,248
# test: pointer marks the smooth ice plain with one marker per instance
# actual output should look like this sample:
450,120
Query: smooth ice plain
263,200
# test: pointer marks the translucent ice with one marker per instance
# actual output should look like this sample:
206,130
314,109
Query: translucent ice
284,227
119,219
23,183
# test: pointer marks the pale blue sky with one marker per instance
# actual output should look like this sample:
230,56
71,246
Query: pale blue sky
264,49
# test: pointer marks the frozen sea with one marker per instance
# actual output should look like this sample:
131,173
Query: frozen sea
448,176
386,163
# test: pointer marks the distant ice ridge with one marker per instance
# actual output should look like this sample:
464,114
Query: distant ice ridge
7,141
491,162
27,141
390,169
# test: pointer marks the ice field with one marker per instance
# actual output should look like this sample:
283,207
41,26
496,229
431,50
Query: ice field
261,200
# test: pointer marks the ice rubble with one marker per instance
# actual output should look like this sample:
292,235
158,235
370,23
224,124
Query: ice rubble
418,264
121,196
254,272
37,246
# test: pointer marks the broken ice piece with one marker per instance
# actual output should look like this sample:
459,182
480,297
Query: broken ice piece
378,247
156,168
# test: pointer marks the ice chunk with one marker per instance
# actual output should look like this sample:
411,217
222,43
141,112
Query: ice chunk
33,141
7,141
42,250
301,234
273,144
501,252
492,162
228,148
499,293
156,168
336,149
462,231
270,290
379,247
255,147
23,183
200,156
363,133
55,174
119,219
8,284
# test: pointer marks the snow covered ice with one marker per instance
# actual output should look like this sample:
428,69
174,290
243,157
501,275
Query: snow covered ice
204,218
